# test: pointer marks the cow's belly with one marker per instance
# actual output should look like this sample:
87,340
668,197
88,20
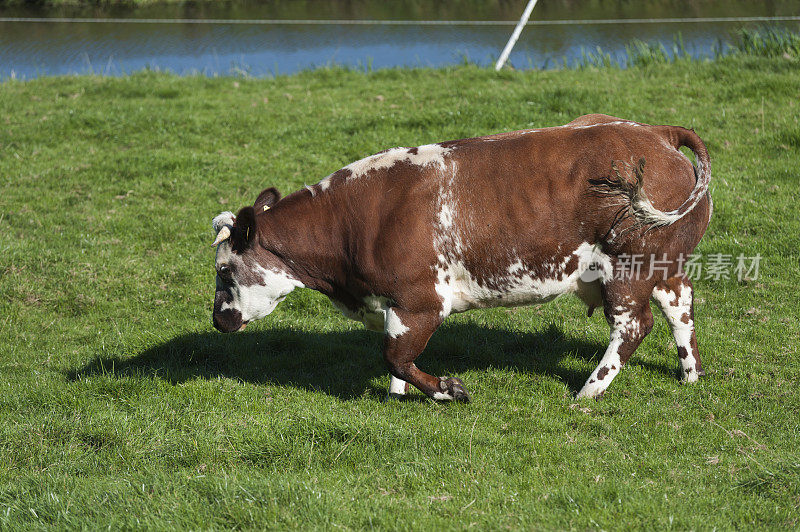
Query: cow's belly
376,314
372,318
462,292
521,284
518,284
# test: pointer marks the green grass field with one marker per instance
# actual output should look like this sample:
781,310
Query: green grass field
120,406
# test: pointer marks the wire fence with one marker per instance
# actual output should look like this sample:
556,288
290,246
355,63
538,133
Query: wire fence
340,22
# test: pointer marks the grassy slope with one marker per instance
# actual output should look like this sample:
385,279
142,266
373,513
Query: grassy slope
120,406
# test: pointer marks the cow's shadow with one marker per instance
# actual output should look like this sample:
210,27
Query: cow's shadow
344,364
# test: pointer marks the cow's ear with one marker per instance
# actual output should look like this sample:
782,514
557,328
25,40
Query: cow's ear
244,229
268,197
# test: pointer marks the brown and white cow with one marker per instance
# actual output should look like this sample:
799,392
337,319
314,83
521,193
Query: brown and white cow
404,238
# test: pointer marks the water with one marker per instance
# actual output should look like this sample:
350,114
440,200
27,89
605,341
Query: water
30,49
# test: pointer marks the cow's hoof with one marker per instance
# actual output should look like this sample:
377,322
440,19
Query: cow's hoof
451,389
591,392
689,376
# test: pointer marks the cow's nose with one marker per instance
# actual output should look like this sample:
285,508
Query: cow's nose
216,323
227,321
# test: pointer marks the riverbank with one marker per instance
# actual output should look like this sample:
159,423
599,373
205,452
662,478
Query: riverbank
122,408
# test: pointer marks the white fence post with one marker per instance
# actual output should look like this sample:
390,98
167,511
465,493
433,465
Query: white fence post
514,36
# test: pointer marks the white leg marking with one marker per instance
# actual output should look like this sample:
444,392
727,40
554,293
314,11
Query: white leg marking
604,373
397,386
679,317
610,365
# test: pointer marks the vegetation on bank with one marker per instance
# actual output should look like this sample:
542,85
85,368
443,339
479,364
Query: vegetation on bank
121,407
764,42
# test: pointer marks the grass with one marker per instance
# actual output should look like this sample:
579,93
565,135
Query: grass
765,42
769,43
121,407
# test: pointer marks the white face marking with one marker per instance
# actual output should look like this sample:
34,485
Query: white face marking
223,255
256,301
429,154
259,299
223,219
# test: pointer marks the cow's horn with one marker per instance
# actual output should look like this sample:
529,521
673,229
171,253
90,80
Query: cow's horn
223,235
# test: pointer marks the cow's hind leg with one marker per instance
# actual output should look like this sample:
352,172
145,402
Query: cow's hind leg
627,310
675,297
404,342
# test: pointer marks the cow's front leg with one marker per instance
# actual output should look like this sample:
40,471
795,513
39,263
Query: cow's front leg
397,388
628,314
405,337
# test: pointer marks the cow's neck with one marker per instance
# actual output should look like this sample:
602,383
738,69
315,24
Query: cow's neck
305,232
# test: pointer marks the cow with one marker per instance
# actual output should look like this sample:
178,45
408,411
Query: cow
404,238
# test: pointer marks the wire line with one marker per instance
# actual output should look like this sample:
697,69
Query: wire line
340,22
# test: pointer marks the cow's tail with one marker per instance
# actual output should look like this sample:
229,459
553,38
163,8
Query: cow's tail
630,195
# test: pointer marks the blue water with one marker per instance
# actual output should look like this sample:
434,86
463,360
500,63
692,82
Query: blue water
30,49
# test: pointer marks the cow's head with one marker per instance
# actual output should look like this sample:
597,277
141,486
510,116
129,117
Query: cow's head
251,280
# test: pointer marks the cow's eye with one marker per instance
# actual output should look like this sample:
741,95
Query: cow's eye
225,273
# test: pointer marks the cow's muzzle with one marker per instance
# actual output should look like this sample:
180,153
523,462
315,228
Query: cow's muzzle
228,321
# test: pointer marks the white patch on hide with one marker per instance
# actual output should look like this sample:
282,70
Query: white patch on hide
522,284
429,154
393,326
515,267
223,254
446,216
616,123
376,314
